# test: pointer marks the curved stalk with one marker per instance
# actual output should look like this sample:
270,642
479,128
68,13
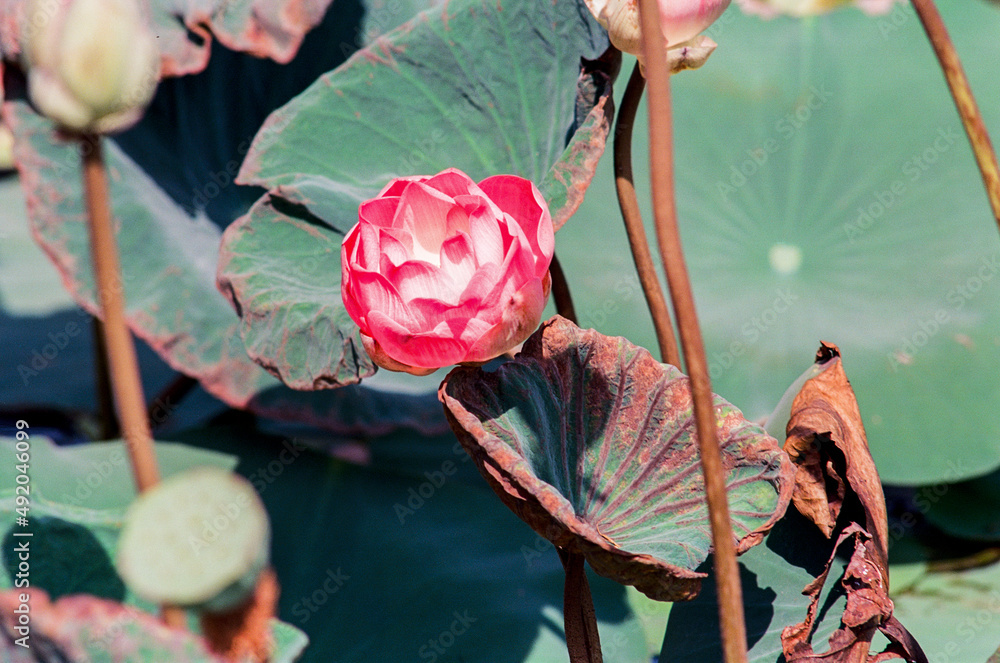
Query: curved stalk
734,641
560,291
634,228
975,128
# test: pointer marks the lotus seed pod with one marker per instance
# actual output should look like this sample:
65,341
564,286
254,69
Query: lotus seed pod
92,64
198,540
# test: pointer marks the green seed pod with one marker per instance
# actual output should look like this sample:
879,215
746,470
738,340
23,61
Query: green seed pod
198,540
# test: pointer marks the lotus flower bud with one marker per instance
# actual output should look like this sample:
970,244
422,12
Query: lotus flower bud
680,21
441,270
772,8
92,64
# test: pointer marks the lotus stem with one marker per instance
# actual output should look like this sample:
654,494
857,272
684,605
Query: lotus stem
634,228
975,128
118,347
733,628
560,291
582,638
105,399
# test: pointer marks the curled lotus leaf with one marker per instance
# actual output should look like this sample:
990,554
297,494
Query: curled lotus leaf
592,442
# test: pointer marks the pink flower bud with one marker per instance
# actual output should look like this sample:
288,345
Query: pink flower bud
441,271
680,20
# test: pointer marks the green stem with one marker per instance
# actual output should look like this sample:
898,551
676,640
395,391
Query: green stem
734,641
975,128
634,228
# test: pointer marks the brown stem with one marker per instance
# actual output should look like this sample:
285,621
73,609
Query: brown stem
105,399
244,633
629,204
560,291
120,351
734,641
964,101
582,638
118,341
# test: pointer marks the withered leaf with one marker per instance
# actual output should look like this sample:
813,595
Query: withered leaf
836,480
826,441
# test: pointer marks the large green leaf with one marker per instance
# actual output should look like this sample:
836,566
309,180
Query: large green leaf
477,86
773,576
171,182
380,559
830,117
591,442
969,509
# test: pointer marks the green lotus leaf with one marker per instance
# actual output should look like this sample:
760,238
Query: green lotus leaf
826,191
428,96
172,189
591,442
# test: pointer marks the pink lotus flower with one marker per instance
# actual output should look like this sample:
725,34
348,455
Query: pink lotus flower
441,271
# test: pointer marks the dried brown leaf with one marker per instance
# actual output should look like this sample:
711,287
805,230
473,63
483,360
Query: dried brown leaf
826,441
836,476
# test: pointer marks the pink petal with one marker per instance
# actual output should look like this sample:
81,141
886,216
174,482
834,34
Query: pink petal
396,186
378,211
346,285
429,349
383,360
458,259
394,251
416,278
452,182
521,314
374,293
367,254
487,237
524,202
424,211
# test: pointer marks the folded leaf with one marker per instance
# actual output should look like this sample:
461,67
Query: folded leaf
591,441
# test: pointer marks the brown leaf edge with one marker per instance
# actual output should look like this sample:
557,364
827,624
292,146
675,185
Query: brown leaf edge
75,627
551,515
835,477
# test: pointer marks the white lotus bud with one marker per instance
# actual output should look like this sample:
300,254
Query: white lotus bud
92,64
680,22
